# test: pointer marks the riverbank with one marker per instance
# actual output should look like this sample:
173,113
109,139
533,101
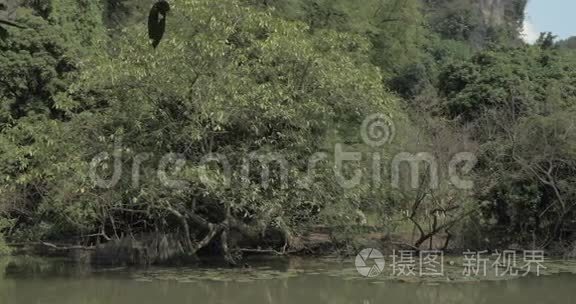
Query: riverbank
166,250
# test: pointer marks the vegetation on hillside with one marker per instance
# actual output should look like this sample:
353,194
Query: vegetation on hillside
104,139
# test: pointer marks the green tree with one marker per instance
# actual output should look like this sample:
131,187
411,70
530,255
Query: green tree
227,80
520,104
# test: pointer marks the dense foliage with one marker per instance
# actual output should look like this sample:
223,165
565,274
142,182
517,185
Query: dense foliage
92,118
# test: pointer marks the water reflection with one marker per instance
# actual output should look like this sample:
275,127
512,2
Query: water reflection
36,281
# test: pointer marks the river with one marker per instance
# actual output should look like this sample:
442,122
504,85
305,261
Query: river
298,281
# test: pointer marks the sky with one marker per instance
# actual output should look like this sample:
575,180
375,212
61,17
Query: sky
556,16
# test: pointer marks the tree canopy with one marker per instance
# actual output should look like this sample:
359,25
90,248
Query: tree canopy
206,143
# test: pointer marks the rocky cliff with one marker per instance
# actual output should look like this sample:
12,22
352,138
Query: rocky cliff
477,21
7,8
502,12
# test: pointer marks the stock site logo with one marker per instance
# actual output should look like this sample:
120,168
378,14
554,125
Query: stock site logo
370,262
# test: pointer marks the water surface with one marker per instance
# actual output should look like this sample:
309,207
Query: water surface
300,281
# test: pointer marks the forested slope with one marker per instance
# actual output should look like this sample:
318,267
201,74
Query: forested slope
92,117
